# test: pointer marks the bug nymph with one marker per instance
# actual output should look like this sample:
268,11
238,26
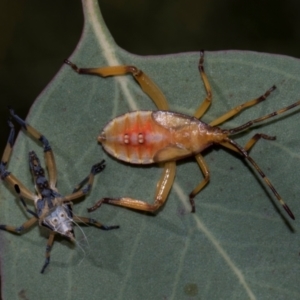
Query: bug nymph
53,211
152,137
163,136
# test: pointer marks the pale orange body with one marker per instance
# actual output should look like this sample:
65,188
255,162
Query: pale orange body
146,137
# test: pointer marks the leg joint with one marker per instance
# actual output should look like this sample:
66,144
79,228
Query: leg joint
46,144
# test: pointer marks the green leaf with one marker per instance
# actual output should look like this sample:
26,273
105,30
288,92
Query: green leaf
239,244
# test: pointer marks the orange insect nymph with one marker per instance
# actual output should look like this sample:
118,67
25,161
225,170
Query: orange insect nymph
146,137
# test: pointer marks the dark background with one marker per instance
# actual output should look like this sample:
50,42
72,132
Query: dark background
35,35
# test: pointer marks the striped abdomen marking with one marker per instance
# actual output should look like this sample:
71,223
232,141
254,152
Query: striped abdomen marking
134,137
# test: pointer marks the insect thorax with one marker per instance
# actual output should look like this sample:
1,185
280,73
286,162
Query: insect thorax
56,216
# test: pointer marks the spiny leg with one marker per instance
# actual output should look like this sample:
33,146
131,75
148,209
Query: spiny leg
6,175
78,190
49,157
204,168
89,221
241,107
162,191
207,101
48,251
261,173
147,85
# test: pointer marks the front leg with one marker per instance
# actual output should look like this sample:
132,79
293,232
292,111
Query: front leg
79,190
90,221
49,157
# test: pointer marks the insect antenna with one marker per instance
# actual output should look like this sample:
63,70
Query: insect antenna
77,243
262,174
258,120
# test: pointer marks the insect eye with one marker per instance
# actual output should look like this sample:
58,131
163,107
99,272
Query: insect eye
54,220
62,215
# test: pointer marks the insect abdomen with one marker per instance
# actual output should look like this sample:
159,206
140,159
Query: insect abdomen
134,137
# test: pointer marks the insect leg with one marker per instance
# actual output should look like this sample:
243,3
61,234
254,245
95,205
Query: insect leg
90,221
256,138
258,120
147,85
162,191
207,101
241,107
48,251
78,190
263,176
49,157
6,175
204,168
18,191
251,142
21,228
